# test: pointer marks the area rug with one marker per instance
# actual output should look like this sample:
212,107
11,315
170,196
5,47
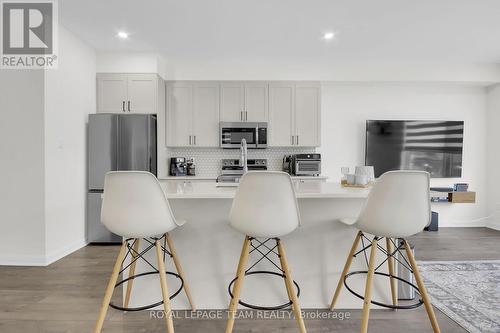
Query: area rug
466,291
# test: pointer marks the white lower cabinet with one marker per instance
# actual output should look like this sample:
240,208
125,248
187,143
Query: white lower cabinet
192,115
294,114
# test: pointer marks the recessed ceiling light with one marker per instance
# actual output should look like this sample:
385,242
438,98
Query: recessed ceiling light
329,35
122,35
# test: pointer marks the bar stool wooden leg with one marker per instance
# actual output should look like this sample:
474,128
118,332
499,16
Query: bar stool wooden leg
422,290
368,287
390,262
178,267
346,269
109,289
131,272
290,287
289,293
164,288
240,275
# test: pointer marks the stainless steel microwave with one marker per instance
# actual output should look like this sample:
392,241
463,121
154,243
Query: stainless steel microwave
231,134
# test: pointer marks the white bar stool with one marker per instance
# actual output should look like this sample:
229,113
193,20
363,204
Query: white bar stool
135,207
265,206
397,207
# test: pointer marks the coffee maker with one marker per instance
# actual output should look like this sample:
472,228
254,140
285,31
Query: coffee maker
178,166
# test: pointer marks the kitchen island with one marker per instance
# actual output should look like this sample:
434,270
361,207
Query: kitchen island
209,249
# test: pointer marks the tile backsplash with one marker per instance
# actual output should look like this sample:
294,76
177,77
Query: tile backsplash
208,160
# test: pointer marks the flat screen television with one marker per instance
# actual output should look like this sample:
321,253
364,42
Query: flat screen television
432,146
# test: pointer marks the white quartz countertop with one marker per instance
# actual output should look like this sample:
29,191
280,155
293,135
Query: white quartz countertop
176,189
202,178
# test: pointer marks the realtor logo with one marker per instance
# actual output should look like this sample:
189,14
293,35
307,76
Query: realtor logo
29,34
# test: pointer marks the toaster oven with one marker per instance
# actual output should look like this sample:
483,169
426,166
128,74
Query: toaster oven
303,164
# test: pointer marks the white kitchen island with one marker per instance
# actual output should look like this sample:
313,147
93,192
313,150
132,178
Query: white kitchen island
209,249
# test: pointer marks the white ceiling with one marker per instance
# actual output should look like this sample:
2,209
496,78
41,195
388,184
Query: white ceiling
460,31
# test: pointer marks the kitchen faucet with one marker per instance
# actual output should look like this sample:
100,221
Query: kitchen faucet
244,155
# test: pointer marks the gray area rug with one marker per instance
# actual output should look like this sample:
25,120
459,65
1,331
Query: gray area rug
466,291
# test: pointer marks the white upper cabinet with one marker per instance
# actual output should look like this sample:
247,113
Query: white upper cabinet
111,93
206,114
307,115
142,93
192,114
232,101
294,114
179,114
127,93
281,126
256,102
244,101
194,109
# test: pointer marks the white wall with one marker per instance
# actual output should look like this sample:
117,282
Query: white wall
43,149
22,167
130,62
70,95
346,107
493,156
255,69
353,93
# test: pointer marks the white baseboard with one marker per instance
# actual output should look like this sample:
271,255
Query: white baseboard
464,224
494,224
22,260
40,260
64,251
493,221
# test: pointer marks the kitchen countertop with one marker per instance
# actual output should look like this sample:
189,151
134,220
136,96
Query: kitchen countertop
202,178
179,189
210,248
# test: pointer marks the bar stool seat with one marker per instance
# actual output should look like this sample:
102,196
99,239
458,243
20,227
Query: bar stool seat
397,207
180,223
265,206
348,220
135,207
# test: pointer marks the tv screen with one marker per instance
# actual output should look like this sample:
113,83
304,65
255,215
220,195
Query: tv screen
432,146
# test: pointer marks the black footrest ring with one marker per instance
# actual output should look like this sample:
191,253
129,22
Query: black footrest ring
258,307
390,306
150,306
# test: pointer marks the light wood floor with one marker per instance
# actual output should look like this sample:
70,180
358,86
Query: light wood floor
65,297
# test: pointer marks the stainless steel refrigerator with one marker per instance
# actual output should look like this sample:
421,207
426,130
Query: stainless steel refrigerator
115,142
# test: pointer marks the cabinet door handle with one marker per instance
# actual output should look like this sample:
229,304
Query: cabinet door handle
246,115
128,105
292,139
194,138
190,140
123,106
297,140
